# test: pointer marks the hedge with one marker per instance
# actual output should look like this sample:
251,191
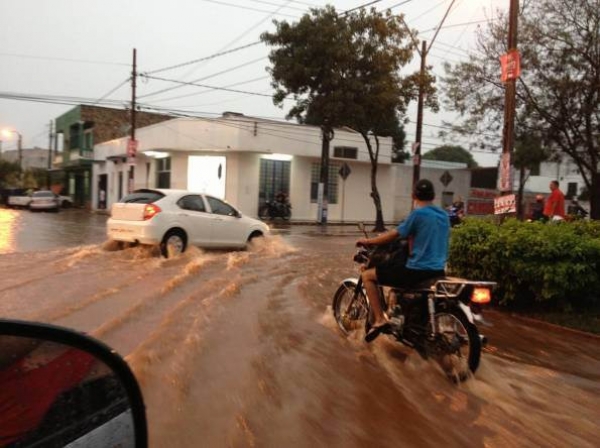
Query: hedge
531,261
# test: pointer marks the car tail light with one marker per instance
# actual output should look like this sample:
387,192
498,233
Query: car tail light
150,211
481,296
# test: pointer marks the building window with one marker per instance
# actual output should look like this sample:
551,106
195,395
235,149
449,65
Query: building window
571,190
345,152
315,177
74,135
535,170
274,178
163,173
88,141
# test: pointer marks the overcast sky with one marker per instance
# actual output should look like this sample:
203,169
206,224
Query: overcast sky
73,50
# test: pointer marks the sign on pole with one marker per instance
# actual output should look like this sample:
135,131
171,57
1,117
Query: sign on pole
505,173
446,178
505,204
344,171
132,146
511,66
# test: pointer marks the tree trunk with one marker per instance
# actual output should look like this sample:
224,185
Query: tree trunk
373,156
595,196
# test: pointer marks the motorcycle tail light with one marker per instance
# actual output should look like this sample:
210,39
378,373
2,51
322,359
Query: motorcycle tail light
150,211
481,296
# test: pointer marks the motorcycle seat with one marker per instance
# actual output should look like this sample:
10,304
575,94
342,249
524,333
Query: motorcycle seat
426,285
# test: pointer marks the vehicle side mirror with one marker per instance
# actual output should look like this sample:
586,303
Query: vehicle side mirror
59,388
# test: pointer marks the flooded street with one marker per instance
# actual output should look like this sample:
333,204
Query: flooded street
239,348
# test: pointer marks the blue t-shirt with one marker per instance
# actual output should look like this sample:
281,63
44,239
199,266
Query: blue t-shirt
429,229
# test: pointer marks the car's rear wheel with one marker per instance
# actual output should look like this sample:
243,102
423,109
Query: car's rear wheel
174,243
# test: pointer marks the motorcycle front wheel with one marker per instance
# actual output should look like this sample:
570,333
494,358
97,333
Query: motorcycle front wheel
350,311
459,344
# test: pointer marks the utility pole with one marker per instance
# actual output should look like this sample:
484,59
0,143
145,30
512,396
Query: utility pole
423,53
323,191
132,144
20,151
49,156
508,140
419,132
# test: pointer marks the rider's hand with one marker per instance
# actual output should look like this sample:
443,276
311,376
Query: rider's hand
363,242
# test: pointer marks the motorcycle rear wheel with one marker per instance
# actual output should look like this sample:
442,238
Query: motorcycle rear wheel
460,343
350,312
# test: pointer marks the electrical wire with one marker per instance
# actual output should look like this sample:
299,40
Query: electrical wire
222,72
218,2
112,90
206,58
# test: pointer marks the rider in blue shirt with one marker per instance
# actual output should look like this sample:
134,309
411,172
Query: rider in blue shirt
427,229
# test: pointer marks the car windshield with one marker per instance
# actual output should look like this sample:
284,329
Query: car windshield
143,197
42,194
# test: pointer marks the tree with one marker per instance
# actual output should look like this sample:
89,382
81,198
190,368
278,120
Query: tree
558,93
529,153
344,70
451,153
9,174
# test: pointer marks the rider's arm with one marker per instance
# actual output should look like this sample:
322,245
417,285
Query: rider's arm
383,238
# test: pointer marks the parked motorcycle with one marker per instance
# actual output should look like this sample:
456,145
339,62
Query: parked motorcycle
438,318
276,209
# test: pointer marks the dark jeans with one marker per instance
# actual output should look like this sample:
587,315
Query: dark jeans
398,275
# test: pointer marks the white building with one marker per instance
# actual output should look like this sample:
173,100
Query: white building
247,161
565,172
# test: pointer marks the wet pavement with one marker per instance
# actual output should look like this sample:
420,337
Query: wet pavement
239,348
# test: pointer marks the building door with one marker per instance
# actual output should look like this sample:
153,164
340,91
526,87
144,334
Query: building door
274,178
447,198
102,191
207,174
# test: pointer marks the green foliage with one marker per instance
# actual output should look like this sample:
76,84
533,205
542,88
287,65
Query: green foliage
344,70
9,174
451,153
530,261
557,95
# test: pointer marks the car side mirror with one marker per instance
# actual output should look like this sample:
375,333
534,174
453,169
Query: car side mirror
59,387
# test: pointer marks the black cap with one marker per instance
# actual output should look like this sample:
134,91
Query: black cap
424,190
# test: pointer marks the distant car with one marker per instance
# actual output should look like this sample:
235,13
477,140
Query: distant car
65,201
175,219
44,200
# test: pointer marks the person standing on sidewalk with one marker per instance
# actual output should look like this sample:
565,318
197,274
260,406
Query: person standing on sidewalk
554,209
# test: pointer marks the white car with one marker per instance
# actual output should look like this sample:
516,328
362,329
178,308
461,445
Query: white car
44,200
175,219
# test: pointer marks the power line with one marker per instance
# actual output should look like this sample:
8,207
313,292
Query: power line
188,95
361,6
113,90
49,58
222,72
248,8
206,58
457,25
206,86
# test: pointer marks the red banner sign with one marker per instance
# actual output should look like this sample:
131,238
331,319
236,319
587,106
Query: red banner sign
511,65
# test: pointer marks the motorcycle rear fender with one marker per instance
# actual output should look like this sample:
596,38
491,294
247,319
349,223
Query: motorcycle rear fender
465,309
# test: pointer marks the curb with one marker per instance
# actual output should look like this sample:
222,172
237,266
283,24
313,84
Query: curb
549,325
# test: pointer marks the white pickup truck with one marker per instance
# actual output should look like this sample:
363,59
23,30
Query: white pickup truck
23,201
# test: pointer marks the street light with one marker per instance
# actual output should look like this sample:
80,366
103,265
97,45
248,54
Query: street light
6,133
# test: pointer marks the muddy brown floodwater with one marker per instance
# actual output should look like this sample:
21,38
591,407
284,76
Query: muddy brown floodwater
239,349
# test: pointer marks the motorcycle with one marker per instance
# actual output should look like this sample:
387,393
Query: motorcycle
438,317
276,209
456,213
